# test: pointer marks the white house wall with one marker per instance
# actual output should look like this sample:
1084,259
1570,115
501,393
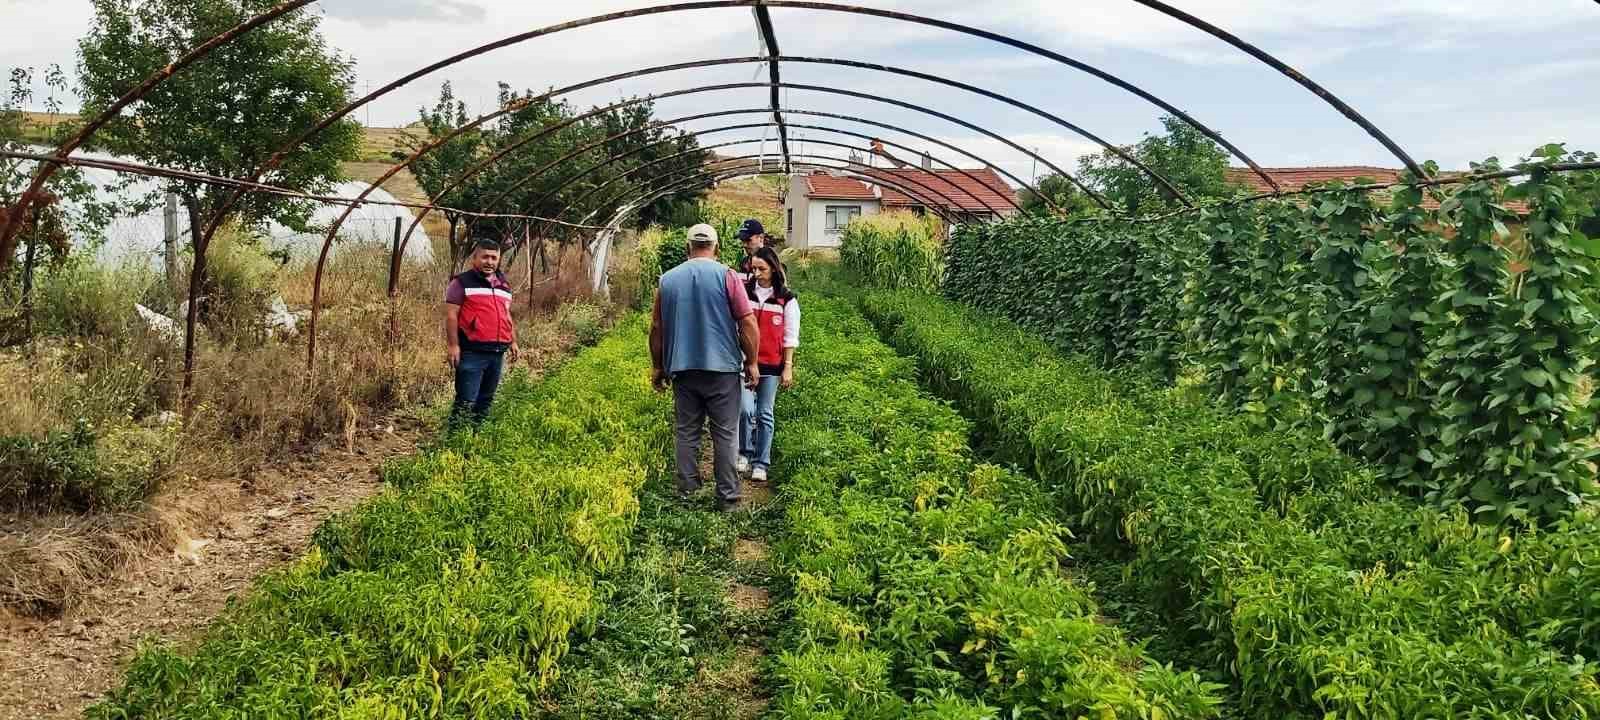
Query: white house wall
817,220
795,207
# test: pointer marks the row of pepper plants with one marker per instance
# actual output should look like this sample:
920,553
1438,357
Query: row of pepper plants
457,592
926,583
1280,558
1451,345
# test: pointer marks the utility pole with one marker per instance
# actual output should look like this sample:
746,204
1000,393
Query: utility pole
1034,178
169,247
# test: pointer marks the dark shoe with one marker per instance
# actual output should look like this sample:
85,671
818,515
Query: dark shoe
727,506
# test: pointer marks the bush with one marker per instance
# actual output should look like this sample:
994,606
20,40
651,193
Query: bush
894,250
671,249
585,321
82,470
240,285
81,299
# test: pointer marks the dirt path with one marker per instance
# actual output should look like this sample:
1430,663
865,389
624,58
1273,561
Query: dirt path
56,668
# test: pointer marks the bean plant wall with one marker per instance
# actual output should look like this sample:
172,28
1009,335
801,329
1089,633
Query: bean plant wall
1452,343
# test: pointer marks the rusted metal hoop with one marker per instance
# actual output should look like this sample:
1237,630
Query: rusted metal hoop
1293,74
727,86
898,183
1122,154
930,189
760,5
43,174
568,181
614,180
681,181
498,199
280,154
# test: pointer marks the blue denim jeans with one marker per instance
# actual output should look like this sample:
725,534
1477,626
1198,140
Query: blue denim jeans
756,422
477,377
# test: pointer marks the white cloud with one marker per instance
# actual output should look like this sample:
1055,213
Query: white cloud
382,12
1311,32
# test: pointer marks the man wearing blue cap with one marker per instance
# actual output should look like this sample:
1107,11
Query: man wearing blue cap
754,238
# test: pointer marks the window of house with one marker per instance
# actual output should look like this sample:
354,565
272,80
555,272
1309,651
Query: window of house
789,227
839,216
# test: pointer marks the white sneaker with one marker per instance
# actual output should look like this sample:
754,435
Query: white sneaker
759,474
742,465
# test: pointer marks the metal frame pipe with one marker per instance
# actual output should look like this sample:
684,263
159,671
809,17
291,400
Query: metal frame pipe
68,146
708,174
614,180
586,172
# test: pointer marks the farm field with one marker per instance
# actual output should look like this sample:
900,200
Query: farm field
1279,406
1134,553
544,568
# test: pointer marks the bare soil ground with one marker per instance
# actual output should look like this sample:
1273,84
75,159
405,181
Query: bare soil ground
54,668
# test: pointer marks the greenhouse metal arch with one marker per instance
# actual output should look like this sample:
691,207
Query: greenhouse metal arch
773,58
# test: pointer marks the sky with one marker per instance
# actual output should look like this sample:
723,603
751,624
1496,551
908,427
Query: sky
1453,81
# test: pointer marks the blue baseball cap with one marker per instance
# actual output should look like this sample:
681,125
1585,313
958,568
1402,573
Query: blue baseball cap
750,228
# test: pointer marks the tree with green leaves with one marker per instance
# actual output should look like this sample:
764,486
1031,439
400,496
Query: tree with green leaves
1194,163
1058,190
70,208
225,116
654,143
437,170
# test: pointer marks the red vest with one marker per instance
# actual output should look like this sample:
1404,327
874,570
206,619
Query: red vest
485,323
769,317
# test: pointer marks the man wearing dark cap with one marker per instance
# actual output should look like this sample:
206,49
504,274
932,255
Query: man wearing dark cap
754,238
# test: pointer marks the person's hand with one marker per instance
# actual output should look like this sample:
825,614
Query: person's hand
752,375
660,380
514,354
788,379
452,356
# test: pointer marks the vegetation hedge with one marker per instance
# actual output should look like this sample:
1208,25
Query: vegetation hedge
928,584
1453,347
454,595
1310,619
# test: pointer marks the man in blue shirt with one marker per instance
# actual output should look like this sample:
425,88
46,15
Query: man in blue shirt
703,342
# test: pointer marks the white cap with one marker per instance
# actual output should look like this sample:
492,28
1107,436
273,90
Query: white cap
702,234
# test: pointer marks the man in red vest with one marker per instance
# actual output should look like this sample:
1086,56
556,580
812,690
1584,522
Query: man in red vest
478,332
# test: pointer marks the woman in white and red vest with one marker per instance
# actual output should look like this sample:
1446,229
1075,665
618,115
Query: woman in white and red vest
478,332
778,316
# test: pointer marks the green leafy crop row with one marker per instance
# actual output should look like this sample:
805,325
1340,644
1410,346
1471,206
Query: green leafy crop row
1233,537
1453,347
453,595
927,584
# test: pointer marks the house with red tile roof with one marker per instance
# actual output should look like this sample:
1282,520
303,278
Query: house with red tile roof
821,203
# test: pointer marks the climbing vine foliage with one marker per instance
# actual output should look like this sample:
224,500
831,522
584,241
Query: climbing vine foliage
1448,335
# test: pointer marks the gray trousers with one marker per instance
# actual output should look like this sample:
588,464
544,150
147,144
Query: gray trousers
697,395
